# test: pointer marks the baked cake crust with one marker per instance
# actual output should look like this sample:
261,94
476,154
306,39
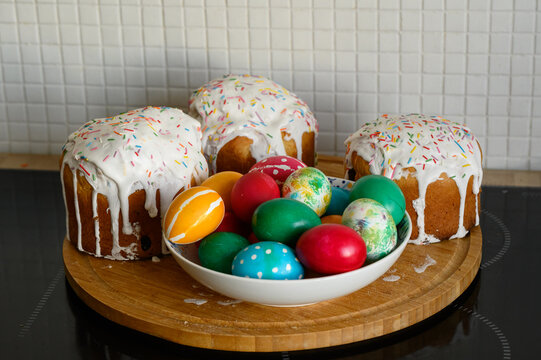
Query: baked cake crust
247,118
235,155
120,174
435,162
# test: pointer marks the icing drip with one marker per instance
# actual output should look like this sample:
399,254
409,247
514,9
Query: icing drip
96,222
77,214
65,200
429,144
254,107
150,149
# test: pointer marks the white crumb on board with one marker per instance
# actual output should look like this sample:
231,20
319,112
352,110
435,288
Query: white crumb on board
391,278
195,301
428,262
156,259
229,302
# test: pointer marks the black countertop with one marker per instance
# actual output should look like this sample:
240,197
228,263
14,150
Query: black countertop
498,317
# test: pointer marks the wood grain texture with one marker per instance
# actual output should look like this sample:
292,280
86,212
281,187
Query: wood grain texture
150,297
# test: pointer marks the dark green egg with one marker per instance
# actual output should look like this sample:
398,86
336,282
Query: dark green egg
283,220
216,251
383,190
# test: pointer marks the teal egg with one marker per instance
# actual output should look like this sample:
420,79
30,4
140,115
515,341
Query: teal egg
383,190
376,226
339,201
267,260
310,186
216,251
283,220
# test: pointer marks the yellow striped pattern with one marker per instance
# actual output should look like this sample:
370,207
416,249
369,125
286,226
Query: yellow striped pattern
193,214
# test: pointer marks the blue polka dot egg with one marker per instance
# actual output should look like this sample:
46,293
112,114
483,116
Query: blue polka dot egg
267,260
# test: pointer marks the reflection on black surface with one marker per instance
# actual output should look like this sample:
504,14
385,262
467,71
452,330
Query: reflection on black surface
438,331
99,338
498,316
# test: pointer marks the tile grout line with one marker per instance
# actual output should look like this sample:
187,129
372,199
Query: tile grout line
532,93
124,65
510,89
488,83
46,114
23,78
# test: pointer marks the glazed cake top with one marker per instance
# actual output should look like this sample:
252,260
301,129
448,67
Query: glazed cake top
392,143
251,106
149,148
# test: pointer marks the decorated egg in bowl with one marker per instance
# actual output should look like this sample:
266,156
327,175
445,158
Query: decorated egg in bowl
294,292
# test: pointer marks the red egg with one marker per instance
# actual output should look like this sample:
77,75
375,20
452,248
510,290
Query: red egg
250,191
331,249
252,238
278,167
231,223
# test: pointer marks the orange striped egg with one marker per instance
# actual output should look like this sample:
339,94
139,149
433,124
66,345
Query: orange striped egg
193,214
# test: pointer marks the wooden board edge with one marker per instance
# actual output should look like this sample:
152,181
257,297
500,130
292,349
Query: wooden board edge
277,342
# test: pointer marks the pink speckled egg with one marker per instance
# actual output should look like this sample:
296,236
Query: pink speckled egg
278,167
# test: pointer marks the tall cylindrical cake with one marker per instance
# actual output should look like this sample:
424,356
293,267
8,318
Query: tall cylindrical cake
247,118
119,175
435,162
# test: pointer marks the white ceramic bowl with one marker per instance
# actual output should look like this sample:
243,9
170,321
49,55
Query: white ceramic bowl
289,292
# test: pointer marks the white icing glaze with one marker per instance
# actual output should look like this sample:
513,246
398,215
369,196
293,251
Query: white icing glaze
254,107
428,262
229,302
391,278
429,144
151,148
197,302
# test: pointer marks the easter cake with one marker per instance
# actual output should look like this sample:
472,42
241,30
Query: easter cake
247,118
119,175
435,162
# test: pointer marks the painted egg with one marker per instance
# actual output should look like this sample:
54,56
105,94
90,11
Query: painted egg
192,215
252,238
216,251
278,167
250,191
310,186
331,219
383,190
267,260
283,220
222,183
331,249
339,201
376,226
231,223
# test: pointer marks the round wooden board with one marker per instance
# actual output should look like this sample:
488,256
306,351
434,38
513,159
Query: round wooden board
160,299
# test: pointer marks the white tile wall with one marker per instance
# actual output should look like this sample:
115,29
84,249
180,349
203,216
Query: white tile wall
477,62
